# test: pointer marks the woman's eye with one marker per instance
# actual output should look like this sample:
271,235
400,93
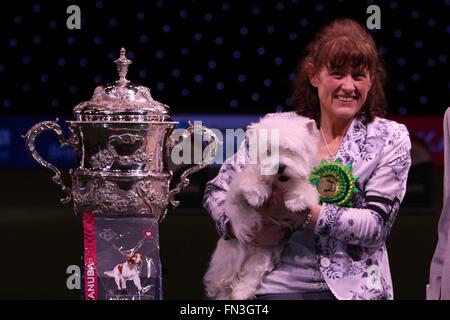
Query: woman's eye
359,76
336,74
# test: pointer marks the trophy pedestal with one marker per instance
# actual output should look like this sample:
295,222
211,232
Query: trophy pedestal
121,257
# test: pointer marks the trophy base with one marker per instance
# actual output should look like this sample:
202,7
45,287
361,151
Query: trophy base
121,257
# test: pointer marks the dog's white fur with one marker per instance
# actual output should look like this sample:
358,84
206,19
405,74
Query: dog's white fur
127,271
237,266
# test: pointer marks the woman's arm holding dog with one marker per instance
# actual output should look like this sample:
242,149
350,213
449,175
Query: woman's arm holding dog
369,226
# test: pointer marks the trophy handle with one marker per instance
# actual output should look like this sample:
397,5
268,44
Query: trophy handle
31,136
211,148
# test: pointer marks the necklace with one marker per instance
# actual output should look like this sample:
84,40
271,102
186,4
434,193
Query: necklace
331,156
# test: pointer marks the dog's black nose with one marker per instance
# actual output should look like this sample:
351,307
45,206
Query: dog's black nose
283,178
281,168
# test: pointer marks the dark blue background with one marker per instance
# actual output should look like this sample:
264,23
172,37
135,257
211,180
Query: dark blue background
209,56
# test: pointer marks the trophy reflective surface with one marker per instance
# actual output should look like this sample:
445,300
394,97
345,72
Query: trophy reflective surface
122,141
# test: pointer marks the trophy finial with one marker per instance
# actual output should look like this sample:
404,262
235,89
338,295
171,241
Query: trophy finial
122,67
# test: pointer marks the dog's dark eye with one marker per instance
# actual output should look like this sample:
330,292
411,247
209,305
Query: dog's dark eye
283,178
281,168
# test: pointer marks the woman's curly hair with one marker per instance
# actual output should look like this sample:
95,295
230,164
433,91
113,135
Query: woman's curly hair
341,44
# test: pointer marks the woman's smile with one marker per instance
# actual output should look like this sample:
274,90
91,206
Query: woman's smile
345,98
342,92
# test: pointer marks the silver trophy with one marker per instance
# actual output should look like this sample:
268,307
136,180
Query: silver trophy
122,141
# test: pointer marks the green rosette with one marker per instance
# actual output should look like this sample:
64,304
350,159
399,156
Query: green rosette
335,182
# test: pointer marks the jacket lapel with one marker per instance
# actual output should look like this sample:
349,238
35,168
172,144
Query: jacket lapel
353,142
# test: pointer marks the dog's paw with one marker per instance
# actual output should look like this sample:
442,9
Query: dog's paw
295,205
242,293
257,196
254,199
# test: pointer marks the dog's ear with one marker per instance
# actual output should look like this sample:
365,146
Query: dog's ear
311,127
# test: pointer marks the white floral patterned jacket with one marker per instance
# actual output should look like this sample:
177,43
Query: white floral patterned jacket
350,242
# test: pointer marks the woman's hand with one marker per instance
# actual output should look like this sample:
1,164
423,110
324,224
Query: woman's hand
274,208
270,234
274,212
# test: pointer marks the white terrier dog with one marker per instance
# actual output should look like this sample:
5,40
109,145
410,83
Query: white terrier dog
284,161
127,271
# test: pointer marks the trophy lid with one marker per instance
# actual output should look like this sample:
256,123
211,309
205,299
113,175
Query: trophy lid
122,101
